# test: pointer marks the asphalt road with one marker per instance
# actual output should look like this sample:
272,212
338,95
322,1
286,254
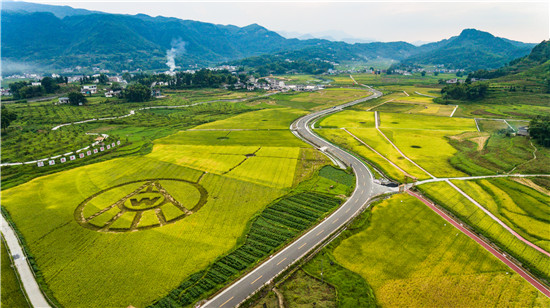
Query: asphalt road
365,189
30,285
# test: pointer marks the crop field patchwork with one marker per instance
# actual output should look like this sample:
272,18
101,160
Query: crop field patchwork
426,262
274,138
188,202
446,196
499,154
375,140
400,106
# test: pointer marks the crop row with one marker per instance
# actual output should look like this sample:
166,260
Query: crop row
278,223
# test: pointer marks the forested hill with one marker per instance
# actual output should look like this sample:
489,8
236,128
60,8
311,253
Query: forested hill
49,36
534,67
471,50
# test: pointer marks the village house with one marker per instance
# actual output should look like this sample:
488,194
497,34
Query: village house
523,131
88,89
112,93
156,92
63,100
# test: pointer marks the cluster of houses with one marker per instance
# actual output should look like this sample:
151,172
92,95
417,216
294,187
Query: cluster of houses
272,84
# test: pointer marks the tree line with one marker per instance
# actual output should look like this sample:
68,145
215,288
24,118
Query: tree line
25,89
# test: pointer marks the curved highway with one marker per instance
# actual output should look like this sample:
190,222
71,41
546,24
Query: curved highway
364,190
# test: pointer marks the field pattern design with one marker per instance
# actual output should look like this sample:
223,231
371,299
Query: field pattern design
276,224
155,208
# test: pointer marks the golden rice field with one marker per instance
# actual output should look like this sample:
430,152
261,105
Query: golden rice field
522,208
444,195
412,258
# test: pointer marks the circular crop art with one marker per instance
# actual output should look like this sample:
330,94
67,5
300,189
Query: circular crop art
140,205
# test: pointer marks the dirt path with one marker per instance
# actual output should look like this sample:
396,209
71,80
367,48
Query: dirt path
542,288
280,298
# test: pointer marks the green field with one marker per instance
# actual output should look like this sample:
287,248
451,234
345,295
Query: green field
522,208
453,201
348,119
426,262
279,118
11,293
499,154
319,99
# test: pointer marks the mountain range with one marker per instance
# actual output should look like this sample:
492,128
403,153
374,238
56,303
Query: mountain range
56,37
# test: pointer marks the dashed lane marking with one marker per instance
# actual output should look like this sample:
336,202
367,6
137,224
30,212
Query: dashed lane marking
281,261
256,279
302,246
320,232
227,301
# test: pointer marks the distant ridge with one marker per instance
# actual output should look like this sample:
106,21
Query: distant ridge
56,37
472,49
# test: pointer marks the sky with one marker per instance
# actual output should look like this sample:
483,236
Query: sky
386,21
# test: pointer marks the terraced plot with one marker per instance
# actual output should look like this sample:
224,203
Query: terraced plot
424,262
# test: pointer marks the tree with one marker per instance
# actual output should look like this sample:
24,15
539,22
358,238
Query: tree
103,79
115,86
7,117
137,92
49,84
423,73
77,98
539,129
436,73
